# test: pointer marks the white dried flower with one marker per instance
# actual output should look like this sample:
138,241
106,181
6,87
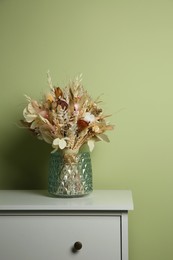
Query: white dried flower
88,117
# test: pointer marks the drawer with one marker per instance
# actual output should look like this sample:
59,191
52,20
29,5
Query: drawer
52,237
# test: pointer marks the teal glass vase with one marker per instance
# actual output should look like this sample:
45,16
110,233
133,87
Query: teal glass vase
70,174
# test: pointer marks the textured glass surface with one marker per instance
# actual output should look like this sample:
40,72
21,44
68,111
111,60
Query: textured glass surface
70,178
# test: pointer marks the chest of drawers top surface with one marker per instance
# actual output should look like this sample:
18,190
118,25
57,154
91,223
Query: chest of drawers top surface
114,200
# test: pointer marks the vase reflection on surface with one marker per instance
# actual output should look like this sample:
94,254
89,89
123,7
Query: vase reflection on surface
70,175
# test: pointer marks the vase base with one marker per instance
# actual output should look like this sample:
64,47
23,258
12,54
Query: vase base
57,195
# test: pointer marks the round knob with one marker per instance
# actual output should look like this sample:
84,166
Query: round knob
77,245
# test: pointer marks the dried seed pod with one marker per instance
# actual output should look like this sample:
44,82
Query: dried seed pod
62,103
58,92
82,124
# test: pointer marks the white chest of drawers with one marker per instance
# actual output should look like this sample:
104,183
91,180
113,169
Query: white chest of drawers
34,226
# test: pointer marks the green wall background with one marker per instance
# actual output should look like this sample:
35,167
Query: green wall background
125,51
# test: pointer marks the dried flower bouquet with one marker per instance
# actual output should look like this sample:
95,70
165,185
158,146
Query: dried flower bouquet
66,118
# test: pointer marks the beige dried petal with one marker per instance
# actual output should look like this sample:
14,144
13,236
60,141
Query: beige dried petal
96,129
91,144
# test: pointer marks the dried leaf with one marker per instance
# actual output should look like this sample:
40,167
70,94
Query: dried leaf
103,137
91,144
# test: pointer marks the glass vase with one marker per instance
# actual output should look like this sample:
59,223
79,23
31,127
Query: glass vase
70,174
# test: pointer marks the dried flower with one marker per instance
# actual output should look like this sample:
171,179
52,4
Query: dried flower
66,118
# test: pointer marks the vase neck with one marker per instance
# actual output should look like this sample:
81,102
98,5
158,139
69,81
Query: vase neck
71,156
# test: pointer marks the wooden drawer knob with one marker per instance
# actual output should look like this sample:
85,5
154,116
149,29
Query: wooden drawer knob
77,245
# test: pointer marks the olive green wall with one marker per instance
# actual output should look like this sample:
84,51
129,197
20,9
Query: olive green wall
124,48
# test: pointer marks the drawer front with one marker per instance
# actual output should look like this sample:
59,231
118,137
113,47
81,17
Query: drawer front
53,237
